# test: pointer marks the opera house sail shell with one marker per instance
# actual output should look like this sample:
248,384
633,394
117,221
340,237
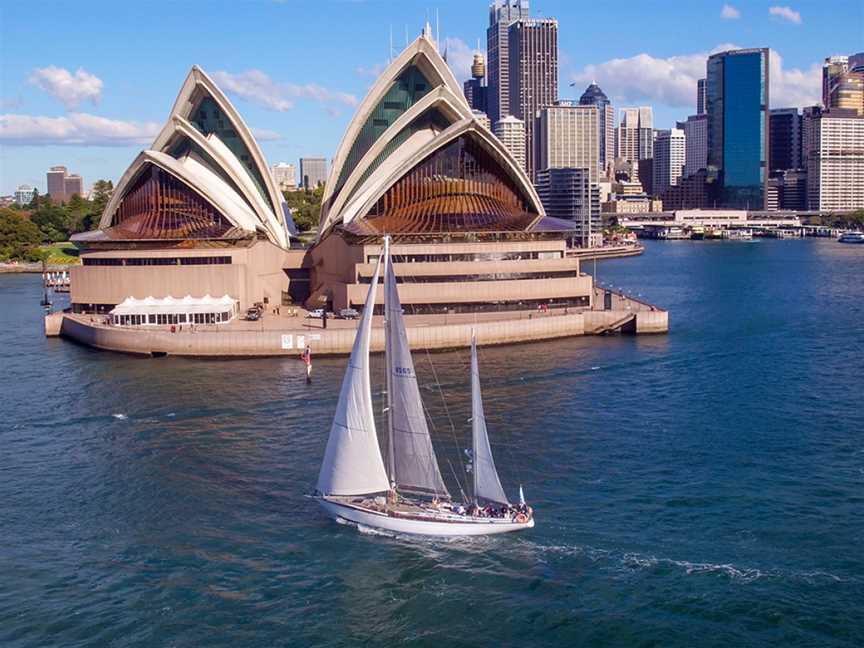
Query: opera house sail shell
469,231
204,177
415,160
197,213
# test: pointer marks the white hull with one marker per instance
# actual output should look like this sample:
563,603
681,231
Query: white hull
455,526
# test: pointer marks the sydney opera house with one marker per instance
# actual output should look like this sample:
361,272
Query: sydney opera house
198,215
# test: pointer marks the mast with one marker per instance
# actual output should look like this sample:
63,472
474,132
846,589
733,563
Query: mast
388,360
475,389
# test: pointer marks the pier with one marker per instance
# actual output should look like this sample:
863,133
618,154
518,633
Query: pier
285,335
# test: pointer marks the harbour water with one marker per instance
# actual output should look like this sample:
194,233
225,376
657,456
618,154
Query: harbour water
700,488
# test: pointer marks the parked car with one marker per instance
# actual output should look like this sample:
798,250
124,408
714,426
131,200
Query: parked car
318,313
253,314
349,314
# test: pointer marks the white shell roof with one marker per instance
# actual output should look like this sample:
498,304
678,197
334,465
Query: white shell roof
239,200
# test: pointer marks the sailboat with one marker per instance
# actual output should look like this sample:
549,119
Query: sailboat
407,494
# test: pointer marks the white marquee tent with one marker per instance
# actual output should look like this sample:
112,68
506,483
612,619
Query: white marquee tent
169,310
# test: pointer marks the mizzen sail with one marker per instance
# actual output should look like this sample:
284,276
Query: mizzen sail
411,457
352,462
487,485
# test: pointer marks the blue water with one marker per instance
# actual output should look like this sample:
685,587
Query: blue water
700,488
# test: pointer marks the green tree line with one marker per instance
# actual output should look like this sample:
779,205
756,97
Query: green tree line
23,230
305,207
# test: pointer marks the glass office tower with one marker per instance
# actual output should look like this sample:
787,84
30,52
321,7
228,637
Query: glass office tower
737,94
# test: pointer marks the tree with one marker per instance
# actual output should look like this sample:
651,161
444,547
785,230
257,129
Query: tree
19,237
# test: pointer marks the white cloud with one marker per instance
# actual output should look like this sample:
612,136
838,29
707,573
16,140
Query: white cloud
672,81
80,129
256,86
70,89
459,57
265,134
728,12
373,71
793,87
785,13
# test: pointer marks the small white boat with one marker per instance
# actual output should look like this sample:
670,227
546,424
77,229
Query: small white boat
851,237
409,495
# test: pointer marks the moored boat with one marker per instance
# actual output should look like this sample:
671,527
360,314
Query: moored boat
851,237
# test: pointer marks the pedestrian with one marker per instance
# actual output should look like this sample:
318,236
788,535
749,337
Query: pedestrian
306,356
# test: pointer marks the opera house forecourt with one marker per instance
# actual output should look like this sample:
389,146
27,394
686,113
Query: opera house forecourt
197,232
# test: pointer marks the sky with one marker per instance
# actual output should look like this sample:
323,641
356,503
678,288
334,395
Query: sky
89,84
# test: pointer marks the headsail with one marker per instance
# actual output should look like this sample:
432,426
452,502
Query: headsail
487,485
411,457
352,462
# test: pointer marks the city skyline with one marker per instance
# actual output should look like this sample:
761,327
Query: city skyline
71,104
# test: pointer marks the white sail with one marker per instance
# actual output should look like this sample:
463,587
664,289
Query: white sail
411,457
487,485
352,462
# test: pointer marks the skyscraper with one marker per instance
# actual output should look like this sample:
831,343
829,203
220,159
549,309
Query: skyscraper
475,89
738,128
501,14
701,99
784,126
285,176
570,194
835,159
57,183
634,137
567,136
594,96
511,132
696,138
669,152
832,68
73,184
533,51
313,172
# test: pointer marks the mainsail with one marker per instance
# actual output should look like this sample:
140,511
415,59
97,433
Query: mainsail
411,458
352,462
486,483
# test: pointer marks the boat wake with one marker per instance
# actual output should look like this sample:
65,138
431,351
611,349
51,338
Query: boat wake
634,561
120,417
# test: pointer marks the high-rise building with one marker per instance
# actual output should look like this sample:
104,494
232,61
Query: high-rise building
73,184
738,134
285,176
511,132
533,51
696,136
24,194
502,13
483,118
567,136
594,96
847,92
701,96
787,189
669,155
835,159
475,89
784,126
832,68
313,172
57,183
569,194
634,137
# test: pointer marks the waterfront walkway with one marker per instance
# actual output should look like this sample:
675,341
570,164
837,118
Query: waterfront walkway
284,334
